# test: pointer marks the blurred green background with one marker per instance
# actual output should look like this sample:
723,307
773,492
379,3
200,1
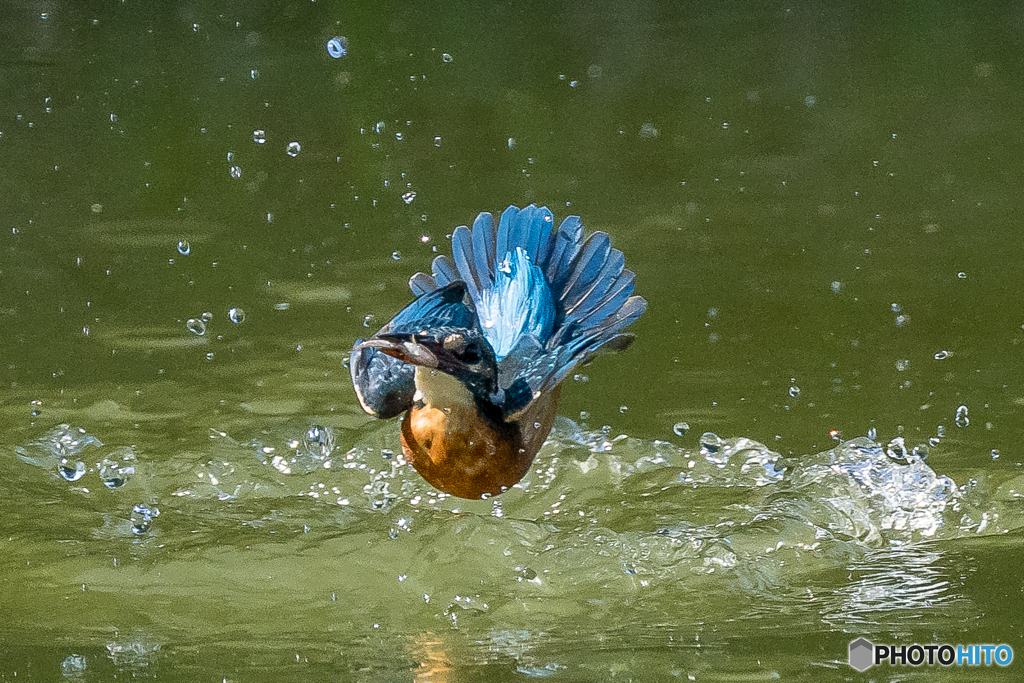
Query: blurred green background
821,203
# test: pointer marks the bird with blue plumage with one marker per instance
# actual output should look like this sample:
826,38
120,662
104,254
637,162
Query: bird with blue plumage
477,360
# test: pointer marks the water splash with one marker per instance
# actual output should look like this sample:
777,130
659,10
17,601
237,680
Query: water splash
59,449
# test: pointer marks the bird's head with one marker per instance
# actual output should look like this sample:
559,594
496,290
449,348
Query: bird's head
459,352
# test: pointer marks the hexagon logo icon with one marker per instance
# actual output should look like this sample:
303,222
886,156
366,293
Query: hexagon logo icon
862,654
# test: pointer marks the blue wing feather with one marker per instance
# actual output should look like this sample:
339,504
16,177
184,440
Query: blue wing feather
444,270
566,247
462,253
579,303
585,269
610,301
534,226
546,301
483,248
421,284
509,218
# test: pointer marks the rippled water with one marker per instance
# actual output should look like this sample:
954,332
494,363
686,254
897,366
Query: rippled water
318,542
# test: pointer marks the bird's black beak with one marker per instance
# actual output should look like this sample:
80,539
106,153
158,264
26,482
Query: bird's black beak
416,349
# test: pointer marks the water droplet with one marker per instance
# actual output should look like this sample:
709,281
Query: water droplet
115,469
270,217
259,136
584,415
897,450
293,149
648,131
623,409
399,136
71,470
142,518
206,316
794,391
810,101
447,58
367,320
836,286
184,248
236,315
511,143
962,275
337,47
254,74
231,156
961,418
318,441
396,255
680,428
437,141
995,454
902,364
196,326
896,308
379,127
235,171
712,447
209,356
408,197
872,433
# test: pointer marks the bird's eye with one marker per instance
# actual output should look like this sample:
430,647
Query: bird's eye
471,355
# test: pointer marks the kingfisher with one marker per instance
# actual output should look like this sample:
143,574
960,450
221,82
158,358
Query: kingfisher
477,360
